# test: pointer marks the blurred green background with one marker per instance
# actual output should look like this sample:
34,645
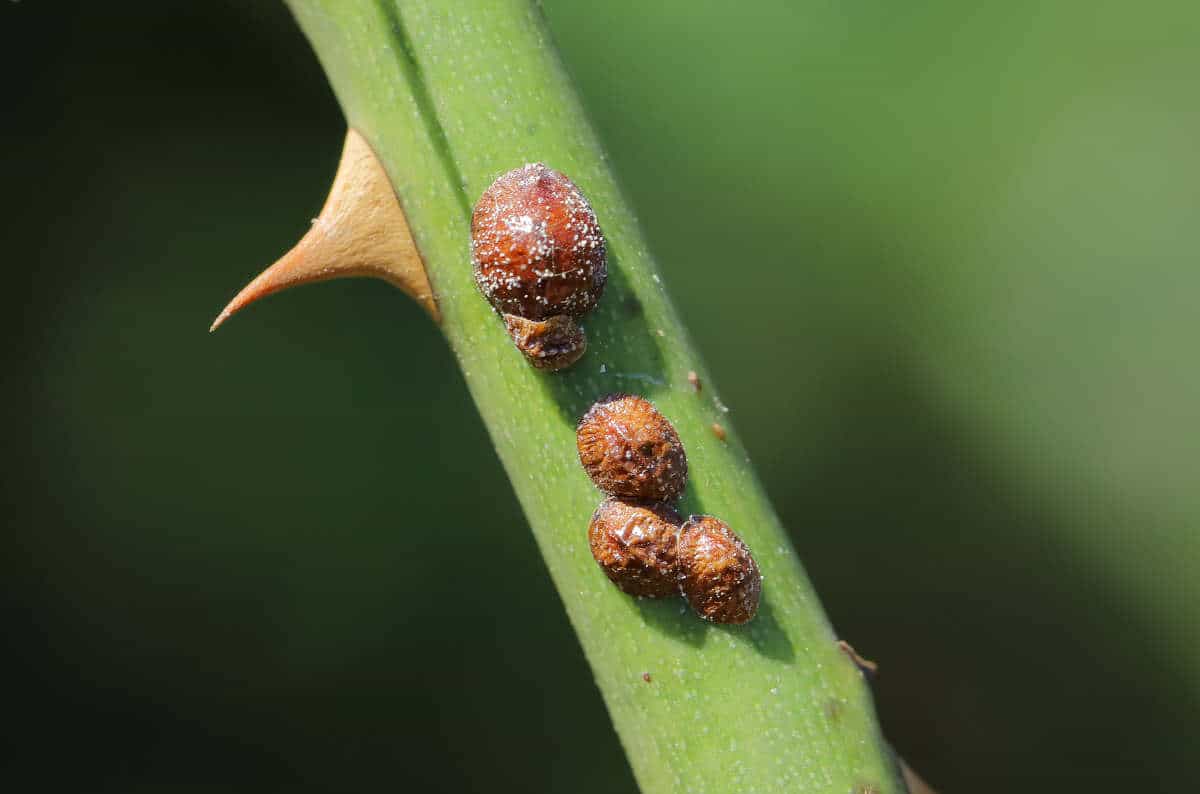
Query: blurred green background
941,255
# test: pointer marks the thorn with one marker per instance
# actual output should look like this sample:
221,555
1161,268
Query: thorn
865,666
361,231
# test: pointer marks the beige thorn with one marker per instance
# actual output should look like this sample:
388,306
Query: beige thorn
361,231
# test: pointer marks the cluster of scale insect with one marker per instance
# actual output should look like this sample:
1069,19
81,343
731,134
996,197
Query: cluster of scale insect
540,259
633,454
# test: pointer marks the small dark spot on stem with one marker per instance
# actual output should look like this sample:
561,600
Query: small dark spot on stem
718,430
646,677
633,306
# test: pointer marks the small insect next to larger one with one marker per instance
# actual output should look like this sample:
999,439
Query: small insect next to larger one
539,255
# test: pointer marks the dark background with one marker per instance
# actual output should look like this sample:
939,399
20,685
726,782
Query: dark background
962,241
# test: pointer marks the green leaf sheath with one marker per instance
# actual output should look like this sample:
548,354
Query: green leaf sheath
451,95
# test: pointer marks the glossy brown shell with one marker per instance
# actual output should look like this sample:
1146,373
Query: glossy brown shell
551,344
536,247
634,544
717,574
630,450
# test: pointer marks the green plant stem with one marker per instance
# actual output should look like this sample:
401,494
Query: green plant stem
450,95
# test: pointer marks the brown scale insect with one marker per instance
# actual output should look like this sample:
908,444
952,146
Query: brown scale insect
538,252
716,572
634,544
630,450
554,343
